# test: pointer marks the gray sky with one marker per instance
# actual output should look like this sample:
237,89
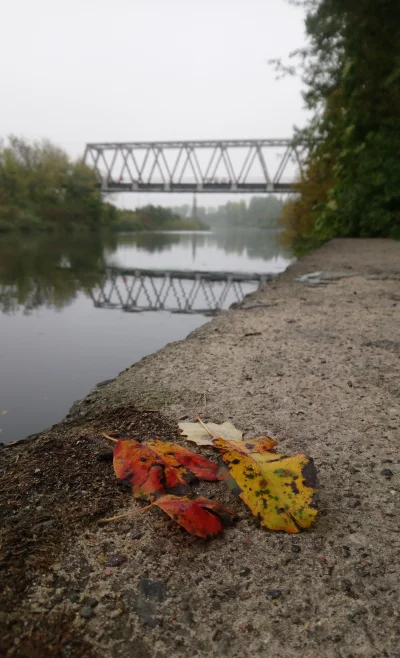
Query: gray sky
76,71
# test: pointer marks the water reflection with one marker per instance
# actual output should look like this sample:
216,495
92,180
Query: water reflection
57,336
261,245
177,292
33,270
48,272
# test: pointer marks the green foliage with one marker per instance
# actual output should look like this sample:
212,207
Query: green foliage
154,218
351,70
42,189
300,215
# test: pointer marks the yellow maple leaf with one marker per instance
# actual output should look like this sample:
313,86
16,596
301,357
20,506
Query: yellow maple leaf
280,490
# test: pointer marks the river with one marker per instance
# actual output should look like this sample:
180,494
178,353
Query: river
58,336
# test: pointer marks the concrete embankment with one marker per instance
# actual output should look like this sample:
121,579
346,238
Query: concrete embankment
312,361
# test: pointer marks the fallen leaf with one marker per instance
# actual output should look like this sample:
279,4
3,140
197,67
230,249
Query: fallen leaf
176,455
280,490
259,444
197,433
200,517
156,467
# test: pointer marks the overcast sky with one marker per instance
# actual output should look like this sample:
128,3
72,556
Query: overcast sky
77,71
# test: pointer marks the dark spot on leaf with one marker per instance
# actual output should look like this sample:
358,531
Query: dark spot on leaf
293,487
235,461
309,473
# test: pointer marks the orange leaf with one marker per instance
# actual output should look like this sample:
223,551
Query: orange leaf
154,467
200,517
176,456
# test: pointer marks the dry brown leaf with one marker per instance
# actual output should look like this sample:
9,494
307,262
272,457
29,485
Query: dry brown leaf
196,432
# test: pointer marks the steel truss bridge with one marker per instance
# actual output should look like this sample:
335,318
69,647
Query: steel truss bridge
256,166
180,291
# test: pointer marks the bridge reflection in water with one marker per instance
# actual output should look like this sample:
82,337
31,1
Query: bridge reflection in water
176,291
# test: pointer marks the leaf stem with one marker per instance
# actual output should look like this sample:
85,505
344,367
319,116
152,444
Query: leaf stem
107,436
122,516
204,425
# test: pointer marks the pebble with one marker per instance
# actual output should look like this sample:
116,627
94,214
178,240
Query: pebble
91,602
116,560
86,612
387,473
152,589
273,594
244,596
244,572
73,597
296,548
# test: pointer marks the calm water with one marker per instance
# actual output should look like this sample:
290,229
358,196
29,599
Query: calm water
58,334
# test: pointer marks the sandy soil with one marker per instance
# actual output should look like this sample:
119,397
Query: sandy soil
314,364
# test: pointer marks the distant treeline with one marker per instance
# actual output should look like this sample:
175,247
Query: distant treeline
155,218
260,212
42,189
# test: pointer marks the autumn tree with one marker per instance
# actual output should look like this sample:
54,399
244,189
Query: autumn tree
40,186
351,72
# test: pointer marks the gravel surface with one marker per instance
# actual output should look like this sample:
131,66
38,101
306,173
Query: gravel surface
314,363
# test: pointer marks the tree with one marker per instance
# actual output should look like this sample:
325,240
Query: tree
351,70
41,187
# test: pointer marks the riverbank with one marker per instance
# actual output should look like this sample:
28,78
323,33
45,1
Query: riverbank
313,363
34,225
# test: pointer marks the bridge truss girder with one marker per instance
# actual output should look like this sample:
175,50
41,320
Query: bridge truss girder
196,166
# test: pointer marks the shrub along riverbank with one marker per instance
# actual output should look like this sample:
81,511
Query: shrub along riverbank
42,189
